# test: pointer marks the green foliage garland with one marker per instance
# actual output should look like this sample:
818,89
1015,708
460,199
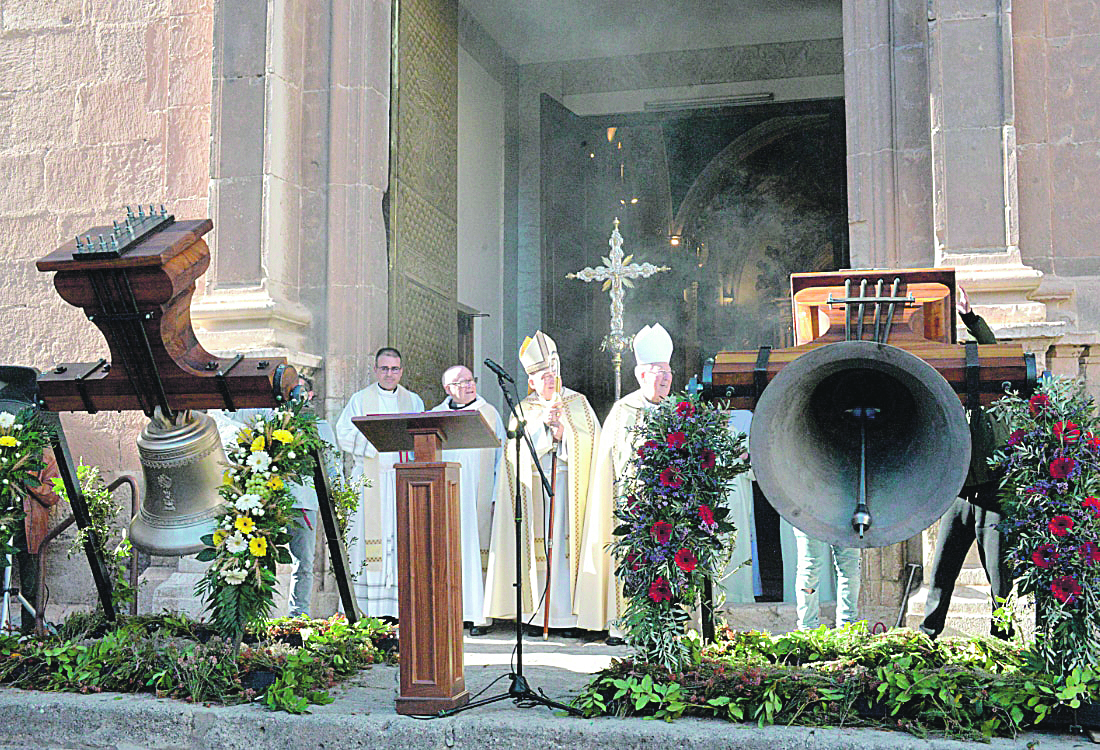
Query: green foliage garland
23,437
252,536
1050,499
846,677
174,656
672,530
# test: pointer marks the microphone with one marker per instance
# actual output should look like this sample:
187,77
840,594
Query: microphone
499,371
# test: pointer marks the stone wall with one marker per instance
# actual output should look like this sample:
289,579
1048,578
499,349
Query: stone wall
101,104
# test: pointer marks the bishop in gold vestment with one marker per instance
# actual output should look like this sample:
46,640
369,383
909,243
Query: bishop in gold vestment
559,422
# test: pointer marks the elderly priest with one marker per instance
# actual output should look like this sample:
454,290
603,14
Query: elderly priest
479,484
652,352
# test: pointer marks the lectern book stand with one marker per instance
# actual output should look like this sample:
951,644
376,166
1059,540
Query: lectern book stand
429,570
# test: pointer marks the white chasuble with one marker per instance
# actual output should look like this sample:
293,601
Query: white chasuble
581,431
478,487
374,525
597,575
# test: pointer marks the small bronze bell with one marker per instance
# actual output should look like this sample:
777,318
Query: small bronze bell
183,462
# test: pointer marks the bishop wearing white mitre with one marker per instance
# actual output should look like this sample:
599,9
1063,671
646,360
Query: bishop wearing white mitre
374,525
652,354
479,485
564,430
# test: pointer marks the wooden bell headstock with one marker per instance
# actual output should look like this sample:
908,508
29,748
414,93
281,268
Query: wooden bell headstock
135,281
917,314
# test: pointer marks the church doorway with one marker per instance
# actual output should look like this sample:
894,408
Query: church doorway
732,200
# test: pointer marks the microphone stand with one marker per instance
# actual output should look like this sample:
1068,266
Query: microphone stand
519,690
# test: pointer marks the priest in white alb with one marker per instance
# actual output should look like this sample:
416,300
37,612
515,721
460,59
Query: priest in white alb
478,488
652,353
564,430
374,525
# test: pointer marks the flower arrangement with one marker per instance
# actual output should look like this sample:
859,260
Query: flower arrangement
1050,497
252,536
23,437
672,532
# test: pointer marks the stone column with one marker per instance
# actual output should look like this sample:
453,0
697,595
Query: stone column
889,150
976,206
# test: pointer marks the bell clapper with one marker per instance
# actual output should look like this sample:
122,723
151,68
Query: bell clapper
861,518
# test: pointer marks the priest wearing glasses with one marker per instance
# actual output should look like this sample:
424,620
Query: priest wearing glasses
479,484
374,525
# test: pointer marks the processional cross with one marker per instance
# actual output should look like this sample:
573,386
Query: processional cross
616,273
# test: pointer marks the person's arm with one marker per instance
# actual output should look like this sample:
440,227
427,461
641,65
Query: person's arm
975,324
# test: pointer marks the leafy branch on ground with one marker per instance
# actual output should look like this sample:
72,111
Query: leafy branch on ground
967,688
285,664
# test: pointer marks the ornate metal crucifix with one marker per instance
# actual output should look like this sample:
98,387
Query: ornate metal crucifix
615,274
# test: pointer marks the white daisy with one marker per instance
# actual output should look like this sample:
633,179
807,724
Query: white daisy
236,543
7,419
259,461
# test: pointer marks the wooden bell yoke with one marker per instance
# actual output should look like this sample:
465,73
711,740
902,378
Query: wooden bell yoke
134,280
912,309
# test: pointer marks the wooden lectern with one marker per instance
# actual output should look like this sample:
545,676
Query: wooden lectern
429,557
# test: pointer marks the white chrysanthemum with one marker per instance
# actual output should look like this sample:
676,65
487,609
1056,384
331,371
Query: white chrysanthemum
234,577
7,419
236,543
248,502
259,461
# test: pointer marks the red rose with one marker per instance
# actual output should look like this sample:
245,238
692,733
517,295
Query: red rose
1066,432
1045,555
1060,525
1093,442
1038,403
1062,467
1065,589
633,561
670,477
661,531
676,440
685,560
1016,437
659,591
1090,553
708,459
706,515
685,409
647,448
1093,504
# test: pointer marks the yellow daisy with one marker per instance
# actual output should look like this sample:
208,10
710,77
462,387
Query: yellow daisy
219,536
8,441
258,546
244,436
244,524
283,436
258,443
274,483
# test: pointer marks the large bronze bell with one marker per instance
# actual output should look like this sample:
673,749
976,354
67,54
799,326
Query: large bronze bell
859,414
183,462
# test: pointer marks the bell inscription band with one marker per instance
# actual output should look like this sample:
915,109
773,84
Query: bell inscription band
183,461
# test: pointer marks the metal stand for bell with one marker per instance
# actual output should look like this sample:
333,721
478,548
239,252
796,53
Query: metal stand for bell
519,690
9,592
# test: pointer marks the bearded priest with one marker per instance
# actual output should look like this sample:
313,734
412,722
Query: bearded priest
652,353
479,483
564,430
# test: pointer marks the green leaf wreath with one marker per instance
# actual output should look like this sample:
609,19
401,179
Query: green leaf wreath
23,437
1050,498
672,532
252,535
